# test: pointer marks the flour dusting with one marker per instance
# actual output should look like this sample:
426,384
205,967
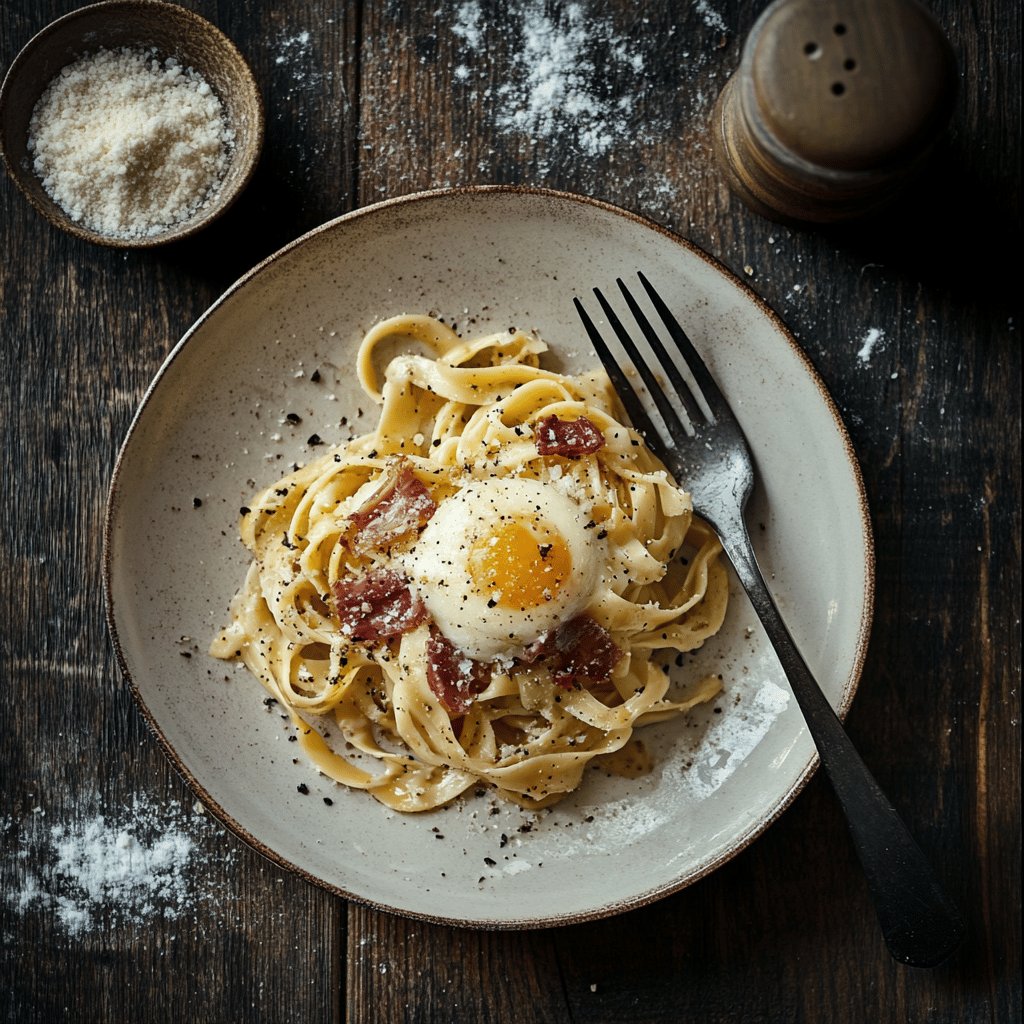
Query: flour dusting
125,865
302,75
577,78
557,90
711,17
873,338
294,48
467,23
600,96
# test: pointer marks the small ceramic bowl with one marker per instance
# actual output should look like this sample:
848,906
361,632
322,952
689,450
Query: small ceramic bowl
139,24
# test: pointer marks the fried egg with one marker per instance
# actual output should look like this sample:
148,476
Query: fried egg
503,561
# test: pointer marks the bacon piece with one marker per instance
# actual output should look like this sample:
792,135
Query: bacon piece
453,677
588,648
579,648
542,647
377,606
571,438
402,504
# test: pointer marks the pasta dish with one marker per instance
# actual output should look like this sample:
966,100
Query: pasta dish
485,590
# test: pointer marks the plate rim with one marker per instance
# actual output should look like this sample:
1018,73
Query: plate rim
618,906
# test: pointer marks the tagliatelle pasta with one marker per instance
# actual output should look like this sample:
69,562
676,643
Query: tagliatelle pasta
475,592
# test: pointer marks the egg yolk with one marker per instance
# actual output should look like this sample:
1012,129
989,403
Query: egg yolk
518,565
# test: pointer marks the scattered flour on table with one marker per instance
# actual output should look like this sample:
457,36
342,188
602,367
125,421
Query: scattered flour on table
303,67
302,75
127,865
873,338
578,90
467,24
294,49
711,17
557,88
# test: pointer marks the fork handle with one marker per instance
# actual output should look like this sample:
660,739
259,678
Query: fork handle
921,926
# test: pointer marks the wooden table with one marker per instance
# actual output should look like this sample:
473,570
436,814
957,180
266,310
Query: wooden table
369,100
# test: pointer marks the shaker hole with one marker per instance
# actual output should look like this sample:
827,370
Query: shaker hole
839,29
849,63
812,50
838,88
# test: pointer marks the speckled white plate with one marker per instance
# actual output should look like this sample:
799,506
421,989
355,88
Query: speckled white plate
281,341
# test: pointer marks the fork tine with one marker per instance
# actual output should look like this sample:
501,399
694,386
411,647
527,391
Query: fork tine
641,421
676,428
683,390
712,396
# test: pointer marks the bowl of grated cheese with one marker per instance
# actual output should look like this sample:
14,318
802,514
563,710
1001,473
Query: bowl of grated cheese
131,123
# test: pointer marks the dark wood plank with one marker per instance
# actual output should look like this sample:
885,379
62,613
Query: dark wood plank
411,972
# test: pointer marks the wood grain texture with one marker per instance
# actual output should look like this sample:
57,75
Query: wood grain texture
373,99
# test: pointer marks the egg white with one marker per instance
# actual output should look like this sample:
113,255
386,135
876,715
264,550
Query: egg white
437,565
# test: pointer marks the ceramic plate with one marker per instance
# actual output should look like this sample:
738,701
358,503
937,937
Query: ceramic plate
213,426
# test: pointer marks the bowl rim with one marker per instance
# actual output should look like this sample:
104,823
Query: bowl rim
50,209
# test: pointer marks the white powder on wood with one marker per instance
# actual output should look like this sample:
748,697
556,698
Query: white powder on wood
711,17
557,91
127,145
872,337
126,866
467,24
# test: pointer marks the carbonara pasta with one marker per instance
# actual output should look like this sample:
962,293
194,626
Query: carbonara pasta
474,592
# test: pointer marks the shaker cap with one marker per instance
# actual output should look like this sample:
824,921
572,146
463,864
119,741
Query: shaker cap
851,85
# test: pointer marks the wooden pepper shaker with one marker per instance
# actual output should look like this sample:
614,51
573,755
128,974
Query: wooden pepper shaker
835,106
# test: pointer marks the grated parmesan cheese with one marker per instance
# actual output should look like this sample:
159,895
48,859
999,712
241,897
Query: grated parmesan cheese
127,145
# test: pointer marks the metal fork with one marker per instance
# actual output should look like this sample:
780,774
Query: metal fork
921,926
